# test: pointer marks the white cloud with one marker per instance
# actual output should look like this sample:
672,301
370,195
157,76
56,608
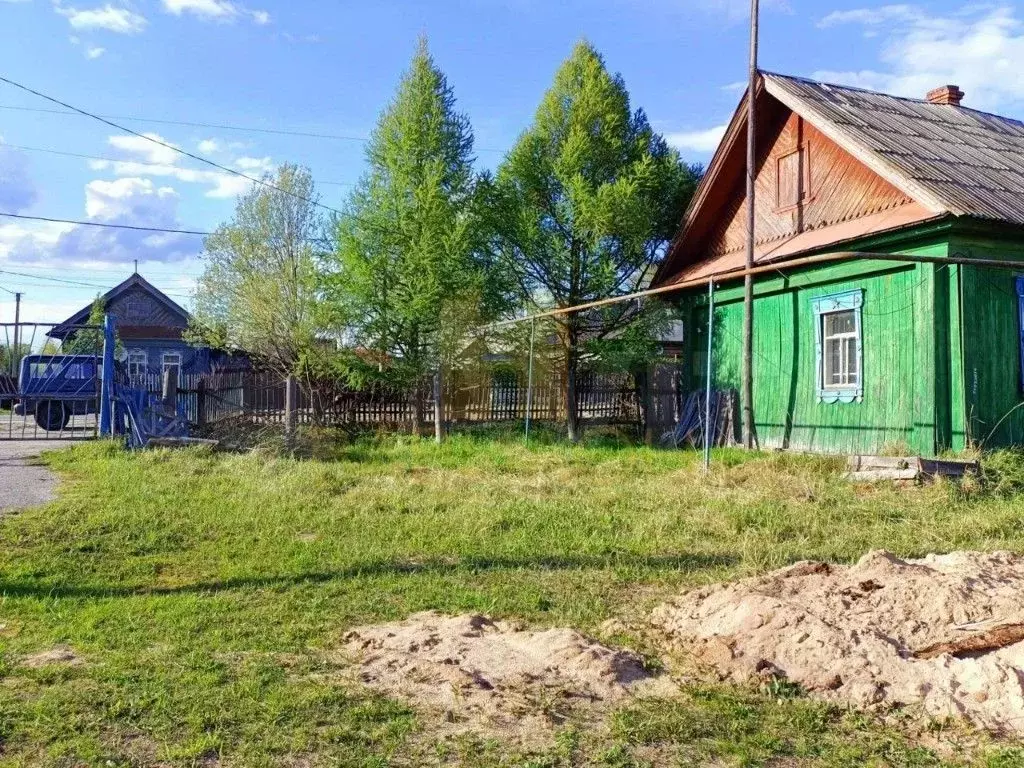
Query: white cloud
704,142
130,201
17,189
113,19
871,16
215,10
95,53
209,146
979,47
145,159
145,150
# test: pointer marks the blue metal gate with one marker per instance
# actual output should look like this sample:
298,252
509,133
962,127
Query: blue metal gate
55,386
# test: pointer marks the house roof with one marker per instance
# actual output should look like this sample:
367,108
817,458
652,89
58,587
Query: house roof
81,317
949,160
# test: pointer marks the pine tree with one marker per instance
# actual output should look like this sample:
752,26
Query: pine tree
405,270
589,198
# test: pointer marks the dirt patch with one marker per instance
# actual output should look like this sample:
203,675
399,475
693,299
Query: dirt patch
495,678
850,633
60,654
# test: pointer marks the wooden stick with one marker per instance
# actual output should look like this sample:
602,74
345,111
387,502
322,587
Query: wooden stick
981,642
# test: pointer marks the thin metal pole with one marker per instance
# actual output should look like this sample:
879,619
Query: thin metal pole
707,377
748,280
529,379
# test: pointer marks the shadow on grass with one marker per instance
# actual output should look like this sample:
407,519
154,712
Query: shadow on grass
682,562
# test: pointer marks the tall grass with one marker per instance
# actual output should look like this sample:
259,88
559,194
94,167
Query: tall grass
206,593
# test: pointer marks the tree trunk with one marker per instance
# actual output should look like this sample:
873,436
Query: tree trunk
417,410
290,406
645,378
572,395
439,422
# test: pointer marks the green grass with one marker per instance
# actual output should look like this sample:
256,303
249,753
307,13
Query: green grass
204,594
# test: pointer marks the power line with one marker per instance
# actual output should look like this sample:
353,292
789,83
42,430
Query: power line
212,126
108,159
52,220
166,145
53,279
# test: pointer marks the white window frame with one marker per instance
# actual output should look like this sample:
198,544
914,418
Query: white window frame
141,358
847,341
167,362
847,391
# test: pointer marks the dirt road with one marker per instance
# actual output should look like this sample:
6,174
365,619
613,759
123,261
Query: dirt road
23,482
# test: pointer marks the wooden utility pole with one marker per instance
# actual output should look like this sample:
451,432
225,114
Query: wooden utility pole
16,349
747,394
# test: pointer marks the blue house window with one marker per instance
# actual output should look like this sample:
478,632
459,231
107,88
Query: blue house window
839,347
1020,314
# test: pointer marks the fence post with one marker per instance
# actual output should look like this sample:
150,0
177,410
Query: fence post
201,402
289,411
438,405
169,390
107,378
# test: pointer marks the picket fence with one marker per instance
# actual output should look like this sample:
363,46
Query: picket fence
206,399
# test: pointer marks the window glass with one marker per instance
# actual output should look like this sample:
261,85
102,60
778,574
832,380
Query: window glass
137,362
840,359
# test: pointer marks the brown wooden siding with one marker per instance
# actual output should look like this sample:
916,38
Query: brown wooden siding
839,188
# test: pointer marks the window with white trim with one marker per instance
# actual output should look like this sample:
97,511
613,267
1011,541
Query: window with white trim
839,342
138,362
172,360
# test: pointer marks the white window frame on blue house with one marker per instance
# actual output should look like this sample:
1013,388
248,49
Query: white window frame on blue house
1020,334
172,359
138,359
852,389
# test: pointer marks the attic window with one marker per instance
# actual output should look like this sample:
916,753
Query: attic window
794,178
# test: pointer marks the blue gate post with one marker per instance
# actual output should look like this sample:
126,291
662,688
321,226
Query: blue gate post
107,378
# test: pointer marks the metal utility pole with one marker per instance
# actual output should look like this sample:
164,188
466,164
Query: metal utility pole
747,394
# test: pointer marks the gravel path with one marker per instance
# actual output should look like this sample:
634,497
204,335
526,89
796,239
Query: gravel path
23,482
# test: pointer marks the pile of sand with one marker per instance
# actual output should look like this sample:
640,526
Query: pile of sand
489,676
851,633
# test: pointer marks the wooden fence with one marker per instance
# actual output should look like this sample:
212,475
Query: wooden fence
260,396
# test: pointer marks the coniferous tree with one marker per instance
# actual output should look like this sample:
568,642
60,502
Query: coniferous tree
589,197
405,273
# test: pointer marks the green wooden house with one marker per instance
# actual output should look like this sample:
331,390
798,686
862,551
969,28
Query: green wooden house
864,355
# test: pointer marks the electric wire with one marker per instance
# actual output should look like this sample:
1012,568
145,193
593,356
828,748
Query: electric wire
108,159
166,145
213,126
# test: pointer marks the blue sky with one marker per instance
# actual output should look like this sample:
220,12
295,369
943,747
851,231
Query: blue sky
330,67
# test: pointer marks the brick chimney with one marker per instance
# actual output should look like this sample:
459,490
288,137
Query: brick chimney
946,94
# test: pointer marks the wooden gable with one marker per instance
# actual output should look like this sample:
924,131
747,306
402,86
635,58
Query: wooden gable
805,181
138,306
810,193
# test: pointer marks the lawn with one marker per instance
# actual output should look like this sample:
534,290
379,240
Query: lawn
203,595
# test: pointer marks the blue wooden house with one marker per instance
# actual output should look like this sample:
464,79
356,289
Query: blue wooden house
150,327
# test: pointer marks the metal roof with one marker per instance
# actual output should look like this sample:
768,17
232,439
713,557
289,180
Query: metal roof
951,159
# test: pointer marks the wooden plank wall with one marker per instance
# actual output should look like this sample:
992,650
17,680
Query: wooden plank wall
900,409
840,188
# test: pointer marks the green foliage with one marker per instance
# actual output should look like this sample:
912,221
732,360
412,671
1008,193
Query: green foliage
406,281
587,201
89,341
259,287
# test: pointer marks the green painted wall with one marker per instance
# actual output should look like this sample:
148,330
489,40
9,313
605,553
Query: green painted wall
913,372
992,380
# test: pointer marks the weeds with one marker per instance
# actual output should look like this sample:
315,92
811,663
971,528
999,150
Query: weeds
205,593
